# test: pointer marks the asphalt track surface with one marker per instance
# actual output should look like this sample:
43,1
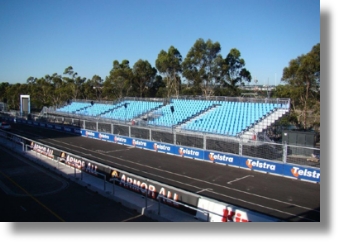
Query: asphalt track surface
283,198
31,193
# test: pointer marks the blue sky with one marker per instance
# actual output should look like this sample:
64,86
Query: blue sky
39,37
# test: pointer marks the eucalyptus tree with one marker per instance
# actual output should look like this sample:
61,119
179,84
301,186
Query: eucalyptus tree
158,88
201,66
13,93
144,75
93,88
169,64
303,76
234,73
41,90
3,91
74,82
59,94
119,83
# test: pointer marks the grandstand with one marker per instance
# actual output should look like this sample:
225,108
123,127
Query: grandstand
233,125
233,117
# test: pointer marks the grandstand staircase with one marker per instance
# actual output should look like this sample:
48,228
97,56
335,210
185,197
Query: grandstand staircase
197,115
110,110
263,124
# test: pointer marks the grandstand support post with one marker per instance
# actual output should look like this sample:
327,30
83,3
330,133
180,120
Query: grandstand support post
175,138
285,153
240,147
172,123
204,142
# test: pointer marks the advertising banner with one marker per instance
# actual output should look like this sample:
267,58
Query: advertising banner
50,126
77,131
58,127
89,134
87,166
122,140
164,148
68,129
44,150
189,152
142,144
301,172
221,212
221,158
261,165
17,139
106,137
156,191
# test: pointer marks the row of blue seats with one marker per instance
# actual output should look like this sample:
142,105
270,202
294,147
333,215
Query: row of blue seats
131,109
214,116
230,117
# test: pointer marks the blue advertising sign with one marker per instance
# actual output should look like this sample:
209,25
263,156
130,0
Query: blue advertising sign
301,172
122,140
89,134
50,126
68,129
142,144
77,131
106,137
188,152
261,165
221,158
163,148
58,127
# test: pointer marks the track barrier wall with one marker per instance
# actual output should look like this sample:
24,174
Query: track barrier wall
202,208
294,171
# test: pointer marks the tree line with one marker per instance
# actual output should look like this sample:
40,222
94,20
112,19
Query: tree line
203,72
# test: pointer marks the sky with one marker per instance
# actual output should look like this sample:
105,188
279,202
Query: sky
40,37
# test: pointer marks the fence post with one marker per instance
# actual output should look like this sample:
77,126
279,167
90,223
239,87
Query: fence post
204,142
240,147
285,149
174,135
